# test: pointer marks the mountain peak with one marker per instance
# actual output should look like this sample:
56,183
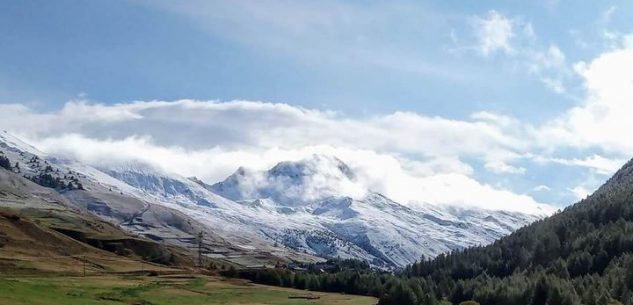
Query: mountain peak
241,171
293,182
317,164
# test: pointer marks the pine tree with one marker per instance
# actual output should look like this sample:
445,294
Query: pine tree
541,293
628,278
5,163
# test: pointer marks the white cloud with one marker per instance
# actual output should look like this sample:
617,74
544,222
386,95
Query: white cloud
417,150
407,156
555,85
580,192
495,119
542,188
603,120
517,39
598,164
500,167
323,178
550,66
196,124
495,33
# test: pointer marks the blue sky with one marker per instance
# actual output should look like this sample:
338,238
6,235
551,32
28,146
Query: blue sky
115,51
514,67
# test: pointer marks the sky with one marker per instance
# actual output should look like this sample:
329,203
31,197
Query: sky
498,104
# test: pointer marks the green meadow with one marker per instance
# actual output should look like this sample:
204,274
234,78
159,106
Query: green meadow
165,290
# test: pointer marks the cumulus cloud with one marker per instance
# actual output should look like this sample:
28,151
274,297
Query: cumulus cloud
313,178
501,167
542,188
495,33
598,164
199,124
603,120
407,156
514,37
580,192
550,65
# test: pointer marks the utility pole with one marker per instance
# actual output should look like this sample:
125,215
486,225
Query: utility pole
200,235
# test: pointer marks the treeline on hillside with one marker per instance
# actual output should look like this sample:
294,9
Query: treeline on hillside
583,255
579,256
546,286
46,179
47,176
336,275
4,162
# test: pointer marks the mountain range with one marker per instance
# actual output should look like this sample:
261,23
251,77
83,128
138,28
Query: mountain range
580,255
306,210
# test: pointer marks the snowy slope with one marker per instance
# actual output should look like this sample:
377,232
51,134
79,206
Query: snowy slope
313,207
149,202
297,206
339,218
292,183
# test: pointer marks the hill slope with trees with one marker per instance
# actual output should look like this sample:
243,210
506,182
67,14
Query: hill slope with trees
582,255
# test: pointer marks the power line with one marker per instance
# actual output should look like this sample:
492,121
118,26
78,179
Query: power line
200,245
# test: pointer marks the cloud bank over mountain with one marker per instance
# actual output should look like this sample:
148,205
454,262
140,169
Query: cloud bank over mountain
211,139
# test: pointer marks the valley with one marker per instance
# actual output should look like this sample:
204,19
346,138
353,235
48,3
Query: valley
160,152
136,225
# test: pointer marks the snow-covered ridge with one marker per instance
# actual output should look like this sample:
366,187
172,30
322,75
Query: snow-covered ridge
312,206
293,183
388,232
16,143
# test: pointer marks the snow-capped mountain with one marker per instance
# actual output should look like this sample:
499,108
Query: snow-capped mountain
292,183
321,191
296,210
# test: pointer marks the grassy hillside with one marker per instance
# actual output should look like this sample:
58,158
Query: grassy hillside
40,231
36,241
47,244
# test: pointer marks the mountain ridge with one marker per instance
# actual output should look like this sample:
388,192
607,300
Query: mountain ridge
296,210
581,255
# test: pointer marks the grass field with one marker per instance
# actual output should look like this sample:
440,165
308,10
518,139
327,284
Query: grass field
43,252
165,290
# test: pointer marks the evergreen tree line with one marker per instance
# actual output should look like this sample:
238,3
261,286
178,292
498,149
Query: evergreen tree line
48,177
48,180
582,255
5,163
345,276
